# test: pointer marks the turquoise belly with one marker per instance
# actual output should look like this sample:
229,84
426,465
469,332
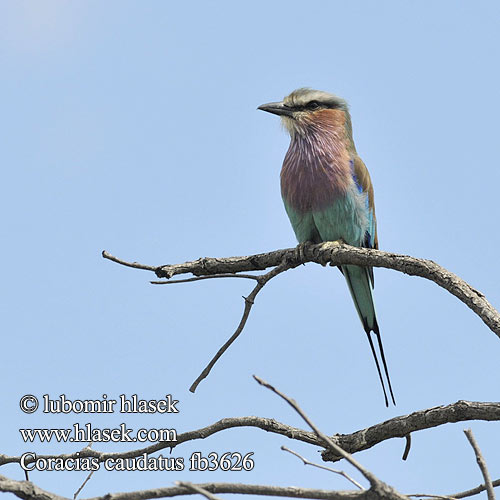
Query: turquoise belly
346,219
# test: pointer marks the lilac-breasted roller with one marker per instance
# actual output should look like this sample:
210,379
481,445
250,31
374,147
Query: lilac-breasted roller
328,193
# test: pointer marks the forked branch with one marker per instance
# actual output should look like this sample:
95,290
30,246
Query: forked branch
333,253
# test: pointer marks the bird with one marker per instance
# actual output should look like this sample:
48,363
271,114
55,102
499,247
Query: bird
328,193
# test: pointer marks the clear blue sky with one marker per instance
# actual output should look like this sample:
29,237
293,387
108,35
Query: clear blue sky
132,127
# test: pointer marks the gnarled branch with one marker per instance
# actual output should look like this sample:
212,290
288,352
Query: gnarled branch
401,426
334,254
397,427
27,490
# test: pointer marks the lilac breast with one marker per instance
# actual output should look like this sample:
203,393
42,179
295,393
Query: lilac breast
315,172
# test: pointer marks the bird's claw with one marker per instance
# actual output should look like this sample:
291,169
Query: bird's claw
300,250
331,245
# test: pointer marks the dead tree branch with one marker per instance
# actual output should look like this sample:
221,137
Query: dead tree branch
28,491
401,426
335,255
474,491
249,301
377,486
305,461
397,427
197,489
481,462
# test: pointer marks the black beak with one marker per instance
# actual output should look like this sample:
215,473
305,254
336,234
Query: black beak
276,108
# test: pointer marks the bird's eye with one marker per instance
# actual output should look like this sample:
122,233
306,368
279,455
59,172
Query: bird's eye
313,105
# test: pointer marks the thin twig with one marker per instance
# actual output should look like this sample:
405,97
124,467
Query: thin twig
475,491
424,495
481,463
199,278
197,489
324,467
83,484
407,447
379,487
135,265
249,301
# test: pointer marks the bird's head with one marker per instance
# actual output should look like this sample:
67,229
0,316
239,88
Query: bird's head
306,107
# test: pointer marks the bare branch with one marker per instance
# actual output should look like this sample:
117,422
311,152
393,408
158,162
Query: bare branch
323,467
242,489
335,255
83,485
424,495
407,447
135,265
475,491
423,419
26,490
481,463
380,488
266,424
197,489
249,301
364,439
199,278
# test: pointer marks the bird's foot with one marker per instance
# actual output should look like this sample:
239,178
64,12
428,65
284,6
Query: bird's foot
331,245
301,249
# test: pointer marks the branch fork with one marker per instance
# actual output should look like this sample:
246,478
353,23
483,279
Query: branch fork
334,253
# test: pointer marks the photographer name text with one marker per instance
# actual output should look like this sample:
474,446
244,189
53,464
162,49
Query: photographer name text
132,404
